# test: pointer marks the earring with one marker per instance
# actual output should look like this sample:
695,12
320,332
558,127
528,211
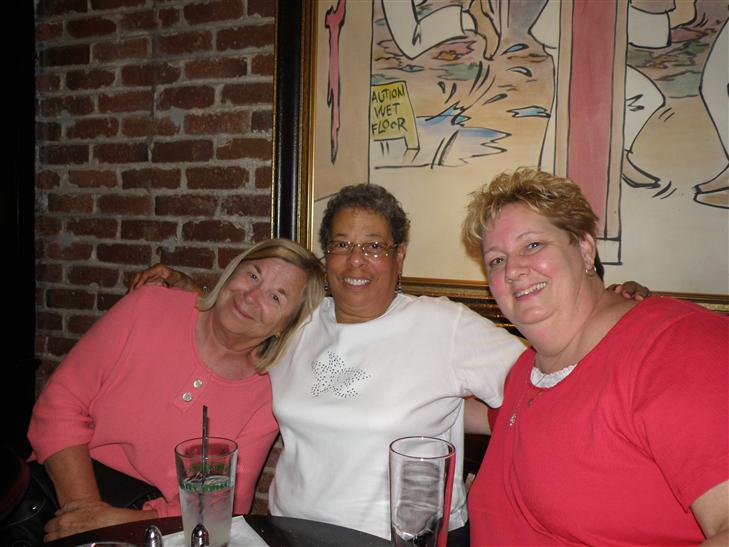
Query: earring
591,271
326,286
399,283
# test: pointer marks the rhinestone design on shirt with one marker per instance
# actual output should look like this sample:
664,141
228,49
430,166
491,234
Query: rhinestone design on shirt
334,375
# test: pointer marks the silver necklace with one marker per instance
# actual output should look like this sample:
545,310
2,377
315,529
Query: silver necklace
529,403
552,379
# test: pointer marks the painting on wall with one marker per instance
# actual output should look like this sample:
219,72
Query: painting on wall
433,98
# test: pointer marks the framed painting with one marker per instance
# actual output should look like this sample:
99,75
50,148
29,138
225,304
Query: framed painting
432,98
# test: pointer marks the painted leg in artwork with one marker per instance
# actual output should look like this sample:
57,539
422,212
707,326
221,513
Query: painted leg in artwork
714,92
486,15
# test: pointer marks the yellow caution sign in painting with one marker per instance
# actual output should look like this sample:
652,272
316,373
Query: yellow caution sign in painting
391,114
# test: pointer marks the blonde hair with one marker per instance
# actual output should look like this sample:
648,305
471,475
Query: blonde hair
288,251
558,199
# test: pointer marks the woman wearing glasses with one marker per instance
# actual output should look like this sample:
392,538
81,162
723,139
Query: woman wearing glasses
373,365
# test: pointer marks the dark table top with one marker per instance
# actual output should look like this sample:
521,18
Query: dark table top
276,531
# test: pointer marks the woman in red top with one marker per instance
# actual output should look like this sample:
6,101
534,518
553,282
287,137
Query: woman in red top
614,425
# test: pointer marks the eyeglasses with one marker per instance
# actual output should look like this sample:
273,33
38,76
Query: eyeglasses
372,249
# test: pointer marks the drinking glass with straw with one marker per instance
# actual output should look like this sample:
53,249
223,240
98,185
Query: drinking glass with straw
206,478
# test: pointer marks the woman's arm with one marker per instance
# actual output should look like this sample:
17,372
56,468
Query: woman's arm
476,418
711,510
160,274
712,513
72,475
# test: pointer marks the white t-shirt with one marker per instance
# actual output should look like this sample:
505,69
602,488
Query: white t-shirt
344,392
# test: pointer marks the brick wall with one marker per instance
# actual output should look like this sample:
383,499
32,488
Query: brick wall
153,124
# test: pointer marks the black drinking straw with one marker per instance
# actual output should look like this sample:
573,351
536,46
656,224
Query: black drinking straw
205,443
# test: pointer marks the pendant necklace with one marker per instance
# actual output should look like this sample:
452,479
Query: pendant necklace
549,380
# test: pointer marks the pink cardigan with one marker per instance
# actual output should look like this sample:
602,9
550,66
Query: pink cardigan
134,386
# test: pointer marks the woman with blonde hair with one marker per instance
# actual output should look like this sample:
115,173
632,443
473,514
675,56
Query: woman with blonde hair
614,425
134,386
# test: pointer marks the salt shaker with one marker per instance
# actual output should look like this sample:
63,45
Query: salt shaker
200,537
152,537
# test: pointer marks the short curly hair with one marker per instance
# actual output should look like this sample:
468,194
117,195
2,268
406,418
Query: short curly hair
368,197
558,199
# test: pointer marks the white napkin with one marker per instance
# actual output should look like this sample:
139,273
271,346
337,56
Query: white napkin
241,535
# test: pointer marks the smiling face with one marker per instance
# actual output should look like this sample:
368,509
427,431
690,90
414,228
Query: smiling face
258,300
536,274
362,286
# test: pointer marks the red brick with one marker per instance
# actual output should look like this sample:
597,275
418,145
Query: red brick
249,36
92,178
69,299
93,26
186,97
48,273
114,4
47,131
264,8
148,230
80,324
216,123
48,321
77,54
246,94
89,275
264,65
256,205
76,106
185,42
151,178
93,128
116,204
121,253
49,8
48,31
70,203
261,231
131,101
106,52
262,121
96,227
121,153
47,226
263,177
74,251
150,74
59,346
139,20
182,151
188,257
89,79
213,230
245,148
143,126
105,301
229,67
169,17
185,205
211,10
63,154
216,178
47,82
45,180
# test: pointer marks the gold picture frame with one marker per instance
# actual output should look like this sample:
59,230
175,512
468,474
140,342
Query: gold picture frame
294,167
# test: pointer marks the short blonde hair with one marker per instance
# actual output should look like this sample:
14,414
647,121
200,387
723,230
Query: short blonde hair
558,199
292,253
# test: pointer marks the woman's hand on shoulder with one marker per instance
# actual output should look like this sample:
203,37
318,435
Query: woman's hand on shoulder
631,290
159,274
88,514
